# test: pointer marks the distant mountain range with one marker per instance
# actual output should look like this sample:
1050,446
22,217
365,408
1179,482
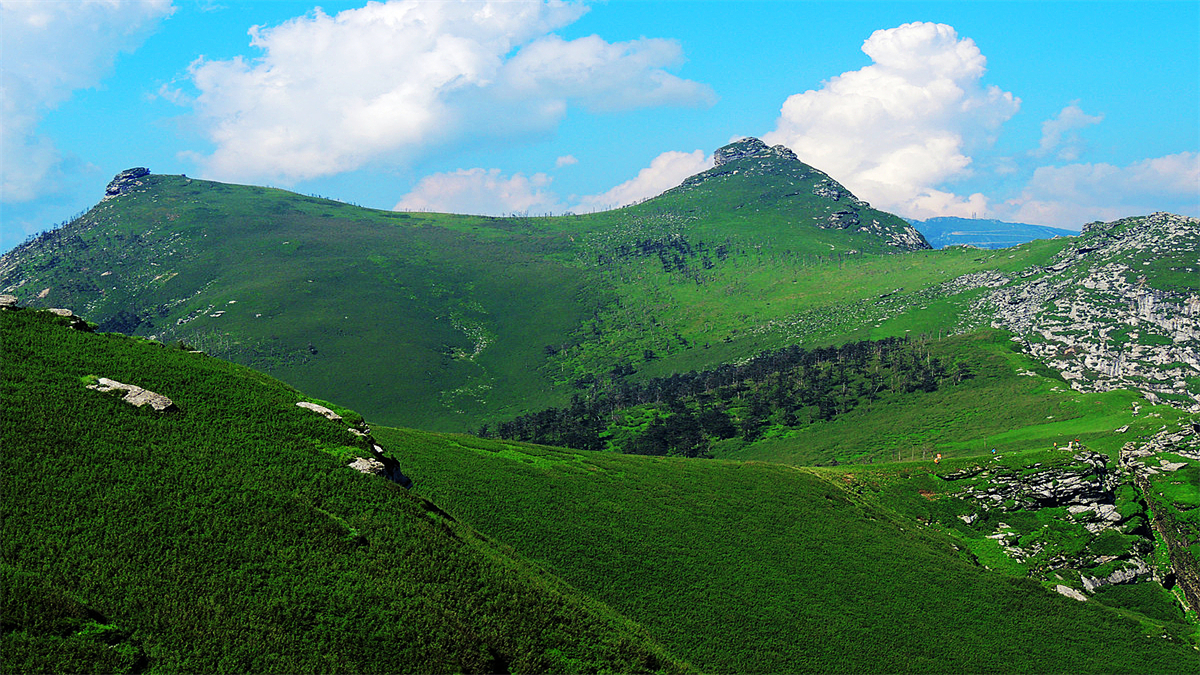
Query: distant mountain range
982,233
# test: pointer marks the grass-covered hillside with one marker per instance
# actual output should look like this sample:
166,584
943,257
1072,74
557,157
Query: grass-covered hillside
859,403
448,321
755,567
228,534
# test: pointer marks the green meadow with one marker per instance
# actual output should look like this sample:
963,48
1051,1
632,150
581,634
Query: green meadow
756,567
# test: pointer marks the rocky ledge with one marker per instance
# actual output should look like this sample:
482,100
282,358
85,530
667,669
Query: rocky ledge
751,148
378,463
134,395
1155,460
1085,489
1094,316
124,182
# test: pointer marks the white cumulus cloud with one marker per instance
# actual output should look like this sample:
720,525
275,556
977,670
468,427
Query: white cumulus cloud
52,49
491,192
393,82
665,172
1069,196
1059,134
482,192
897,131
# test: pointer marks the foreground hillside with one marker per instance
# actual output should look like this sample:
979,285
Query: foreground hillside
750,567
226,533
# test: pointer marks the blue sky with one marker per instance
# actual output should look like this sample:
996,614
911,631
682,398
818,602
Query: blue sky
1049,113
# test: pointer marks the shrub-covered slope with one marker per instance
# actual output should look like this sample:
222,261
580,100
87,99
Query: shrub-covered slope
447,322
748,567
228,534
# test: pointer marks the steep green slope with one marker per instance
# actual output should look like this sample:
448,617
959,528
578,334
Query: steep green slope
427,319
747,567
447,322
388,312
228,534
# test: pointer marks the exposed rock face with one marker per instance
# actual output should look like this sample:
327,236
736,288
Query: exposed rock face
8,302
1125,575
842,220
320,409
75,322
368,465
1086,487
134,395
1093,316
829,190
1089,486
750,147
1143,459
381,465
378,464
124,182
1070,593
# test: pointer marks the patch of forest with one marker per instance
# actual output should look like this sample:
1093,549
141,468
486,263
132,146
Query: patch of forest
683,414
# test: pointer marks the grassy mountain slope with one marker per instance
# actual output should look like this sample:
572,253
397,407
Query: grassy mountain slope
749,567
861,403
1009,402
446,322
229,534
394,314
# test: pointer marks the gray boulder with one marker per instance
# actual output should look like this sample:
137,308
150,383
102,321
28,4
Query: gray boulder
135,395
322,410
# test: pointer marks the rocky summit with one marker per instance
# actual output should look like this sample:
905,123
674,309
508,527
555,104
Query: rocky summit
751,148
125,181
781,178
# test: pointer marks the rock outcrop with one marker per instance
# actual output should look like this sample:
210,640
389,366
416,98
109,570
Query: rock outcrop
320,410
1094,316
76,322
124,182
1070,593
134,395
1086,485
1148,460
749,148
378,463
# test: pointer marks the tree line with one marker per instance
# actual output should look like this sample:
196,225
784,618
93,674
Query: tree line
684,414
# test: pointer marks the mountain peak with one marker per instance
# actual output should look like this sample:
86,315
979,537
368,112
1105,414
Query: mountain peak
748,176
125,181
748,148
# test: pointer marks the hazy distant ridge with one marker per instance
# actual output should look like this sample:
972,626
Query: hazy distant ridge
982,233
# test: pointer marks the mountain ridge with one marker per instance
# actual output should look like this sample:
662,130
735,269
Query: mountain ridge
760,252
985,233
